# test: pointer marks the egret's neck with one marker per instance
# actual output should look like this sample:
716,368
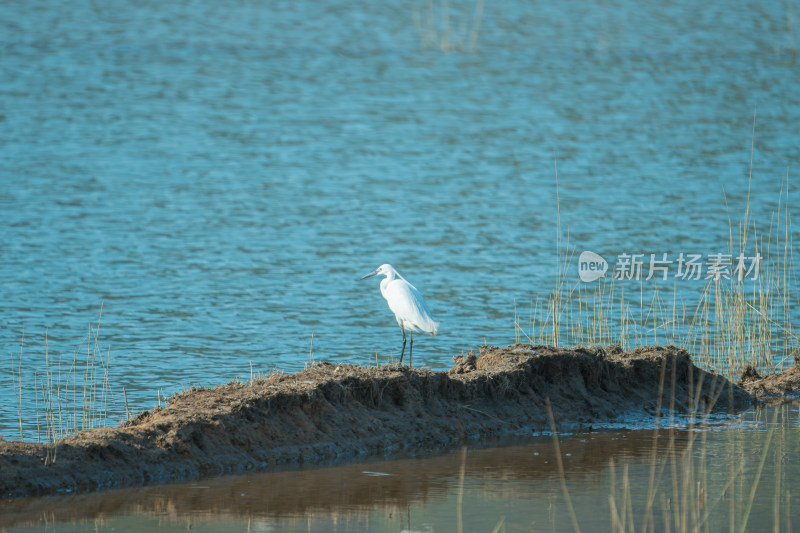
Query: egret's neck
390,277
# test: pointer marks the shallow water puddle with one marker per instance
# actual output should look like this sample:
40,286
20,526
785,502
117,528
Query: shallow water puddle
698,476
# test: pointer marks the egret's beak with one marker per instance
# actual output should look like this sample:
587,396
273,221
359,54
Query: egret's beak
369,275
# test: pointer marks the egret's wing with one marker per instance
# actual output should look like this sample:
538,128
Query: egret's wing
409,306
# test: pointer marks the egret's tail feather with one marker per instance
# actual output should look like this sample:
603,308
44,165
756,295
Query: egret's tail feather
435,329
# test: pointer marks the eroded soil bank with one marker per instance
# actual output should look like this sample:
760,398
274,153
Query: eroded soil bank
330,411
772,388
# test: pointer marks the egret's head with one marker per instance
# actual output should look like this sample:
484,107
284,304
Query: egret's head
383,270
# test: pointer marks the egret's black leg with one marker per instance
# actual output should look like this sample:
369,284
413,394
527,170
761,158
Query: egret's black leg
403,351
411,350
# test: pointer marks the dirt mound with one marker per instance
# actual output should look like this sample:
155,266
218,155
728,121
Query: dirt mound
330,411
772,388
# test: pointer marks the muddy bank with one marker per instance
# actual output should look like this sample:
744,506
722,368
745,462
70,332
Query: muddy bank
772,388
331,411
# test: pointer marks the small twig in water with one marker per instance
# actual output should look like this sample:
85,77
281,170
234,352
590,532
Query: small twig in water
460,498
127,411
561,467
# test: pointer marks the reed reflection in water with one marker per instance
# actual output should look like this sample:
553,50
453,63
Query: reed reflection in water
709,471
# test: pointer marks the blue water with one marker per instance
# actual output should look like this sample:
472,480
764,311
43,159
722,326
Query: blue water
217,174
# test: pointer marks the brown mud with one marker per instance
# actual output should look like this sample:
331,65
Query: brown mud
772,388
334,411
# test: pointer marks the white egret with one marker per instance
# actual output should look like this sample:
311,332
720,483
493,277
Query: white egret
407,304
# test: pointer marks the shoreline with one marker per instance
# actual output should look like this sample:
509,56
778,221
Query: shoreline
334,411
